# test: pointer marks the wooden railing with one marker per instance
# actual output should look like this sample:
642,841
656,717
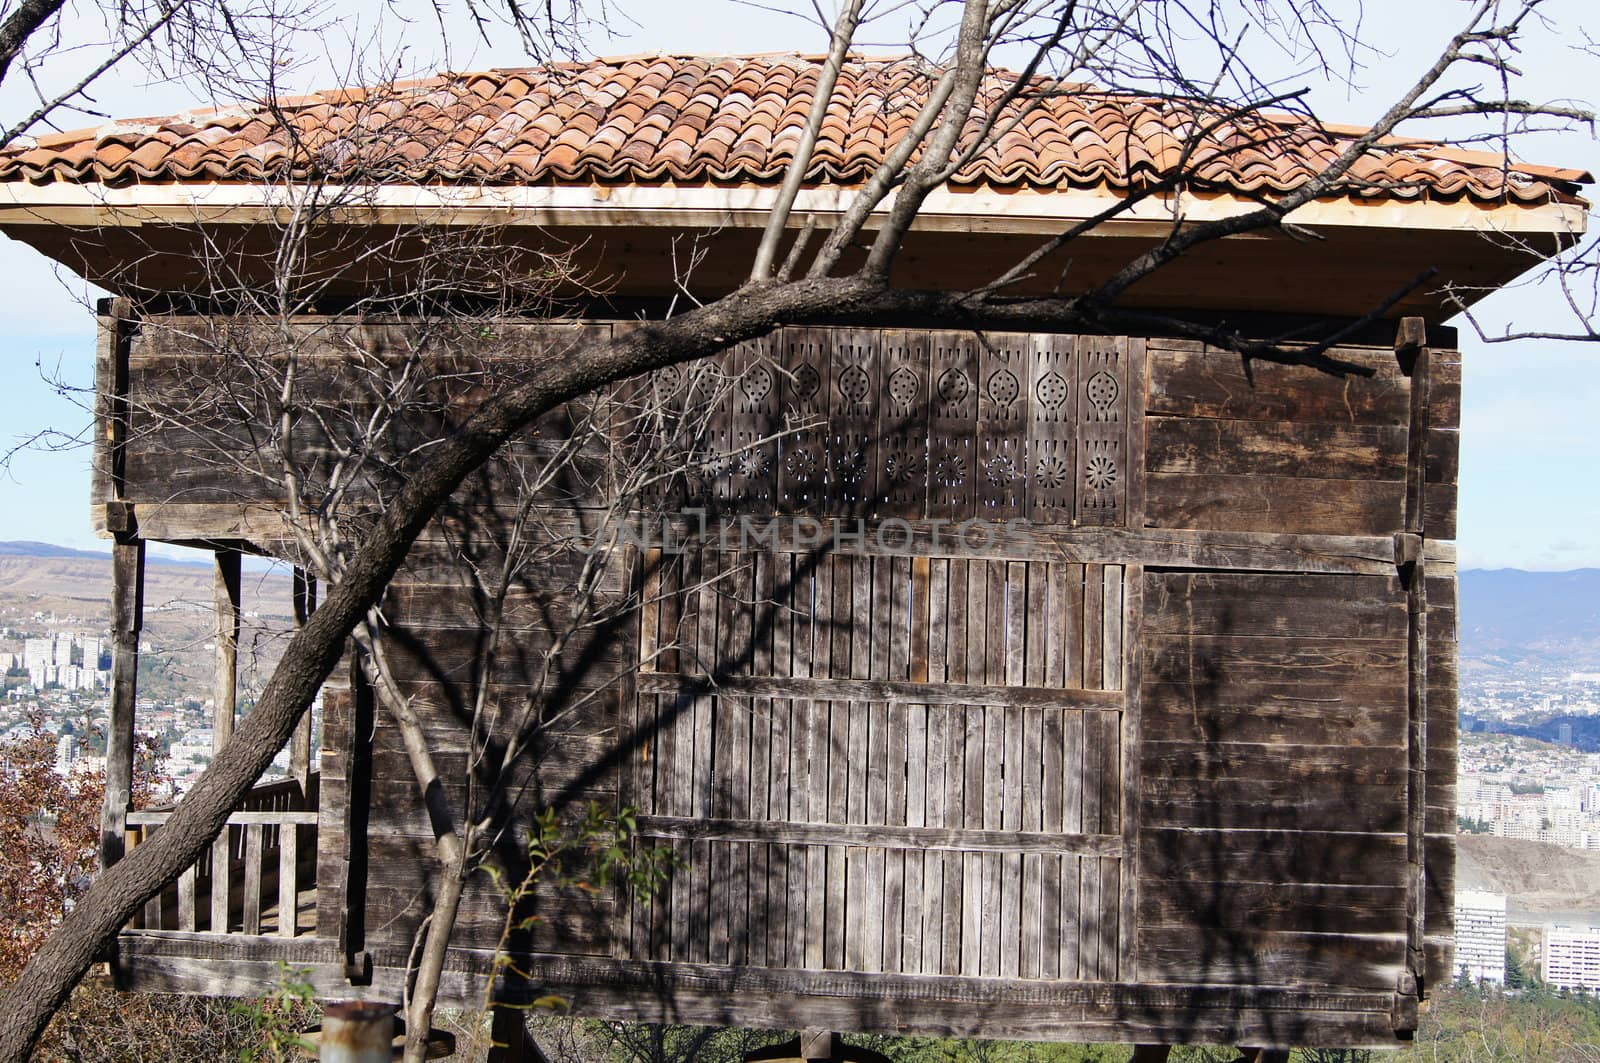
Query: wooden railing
259,876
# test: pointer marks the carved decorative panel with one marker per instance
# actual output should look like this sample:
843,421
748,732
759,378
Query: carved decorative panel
1102,429
752,476
1052,430
903,423
903,426
856,387
1003,405
952,424
803,401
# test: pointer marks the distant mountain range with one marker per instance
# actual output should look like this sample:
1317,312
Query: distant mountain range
32,549
50,551
1511,617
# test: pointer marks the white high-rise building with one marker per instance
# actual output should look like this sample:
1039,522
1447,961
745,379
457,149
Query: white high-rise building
1481,935
39,658
66,754
1572,956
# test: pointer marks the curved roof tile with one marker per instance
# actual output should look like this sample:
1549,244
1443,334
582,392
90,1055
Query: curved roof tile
738,119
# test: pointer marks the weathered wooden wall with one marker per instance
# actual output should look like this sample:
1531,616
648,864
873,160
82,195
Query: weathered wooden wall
1145,763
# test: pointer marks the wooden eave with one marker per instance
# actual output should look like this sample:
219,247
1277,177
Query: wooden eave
1364,251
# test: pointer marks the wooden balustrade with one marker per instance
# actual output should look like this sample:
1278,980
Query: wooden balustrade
266,884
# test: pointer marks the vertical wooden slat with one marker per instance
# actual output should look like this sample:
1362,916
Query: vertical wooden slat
1071,612
1050,916
1073,759
1055,622
252,878
682,893
1132,752
288,895
1011,866
1070,923
972,901
1094,591
904,952
1029,908
938,619
188,920
1111,632
939,717
1089,917
699,950
705,707
896,718
1093,770
681,609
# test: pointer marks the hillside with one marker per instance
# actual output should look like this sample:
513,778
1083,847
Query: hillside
39,582
1538,879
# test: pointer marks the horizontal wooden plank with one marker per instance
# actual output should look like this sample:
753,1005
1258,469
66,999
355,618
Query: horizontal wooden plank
704,993
1212,603
264,528
1198,713
1211,445
1260,958
145,818
1225,385
882,690
1240,668
1310,857
1322,802
885,837
1276,906
1283,504
1379,765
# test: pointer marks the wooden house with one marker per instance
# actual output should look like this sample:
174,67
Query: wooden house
1116,698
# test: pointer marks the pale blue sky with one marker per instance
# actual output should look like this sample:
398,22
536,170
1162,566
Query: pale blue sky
1531,411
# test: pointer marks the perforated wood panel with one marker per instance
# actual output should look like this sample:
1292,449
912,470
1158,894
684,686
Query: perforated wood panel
912,424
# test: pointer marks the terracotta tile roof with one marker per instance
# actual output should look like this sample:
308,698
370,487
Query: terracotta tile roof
729,120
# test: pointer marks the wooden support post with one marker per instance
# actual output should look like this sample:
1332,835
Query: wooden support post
508,1036
127,617
1412,350
225,600
305,603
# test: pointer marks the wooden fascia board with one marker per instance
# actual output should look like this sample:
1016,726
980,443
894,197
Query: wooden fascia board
1022,212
